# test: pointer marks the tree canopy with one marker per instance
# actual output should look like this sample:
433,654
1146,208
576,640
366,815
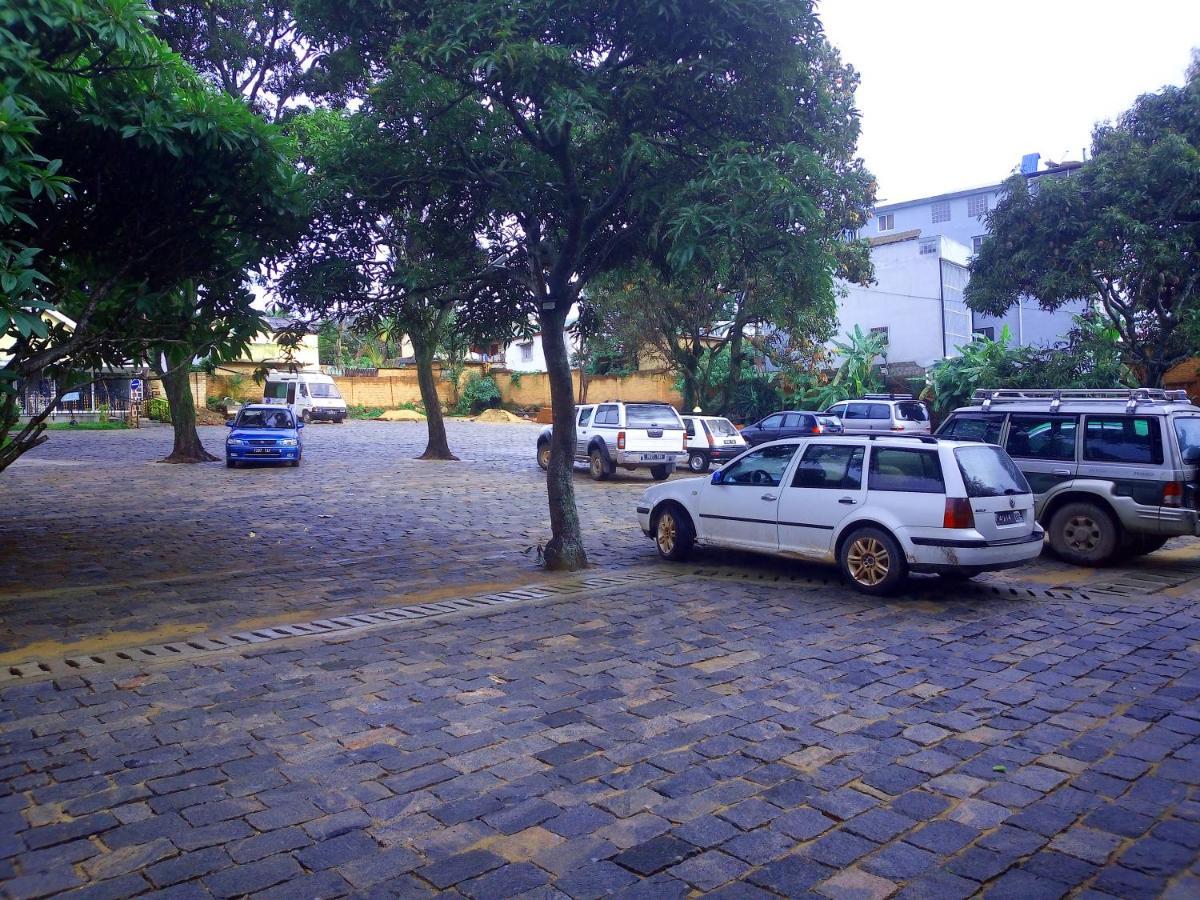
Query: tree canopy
128,178
1124,229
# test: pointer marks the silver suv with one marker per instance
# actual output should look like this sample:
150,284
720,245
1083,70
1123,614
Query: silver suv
891,413
1114,472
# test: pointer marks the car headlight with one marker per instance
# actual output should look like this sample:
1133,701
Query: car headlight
288,442
234,442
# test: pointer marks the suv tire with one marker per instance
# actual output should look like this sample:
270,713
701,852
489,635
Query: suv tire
661,473
674,535
598,465
1141,544
1084,534
698,462
871,561
543,455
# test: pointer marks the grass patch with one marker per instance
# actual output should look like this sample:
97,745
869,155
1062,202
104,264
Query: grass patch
364,412
87,426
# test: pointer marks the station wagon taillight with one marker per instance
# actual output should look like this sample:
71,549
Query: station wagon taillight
1173,494
958,513
817,429
620,440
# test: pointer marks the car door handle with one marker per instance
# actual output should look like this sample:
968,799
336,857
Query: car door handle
849,501
768,497
1060,471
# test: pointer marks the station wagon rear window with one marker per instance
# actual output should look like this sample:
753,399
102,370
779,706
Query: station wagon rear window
912,471
1123,439
988,472
652,417
721,427
986,430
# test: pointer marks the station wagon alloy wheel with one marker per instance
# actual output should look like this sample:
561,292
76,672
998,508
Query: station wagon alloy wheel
666,533
869,561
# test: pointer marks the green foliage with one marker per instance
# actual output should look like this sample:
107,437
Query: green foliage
1124,228
102,413
1090,357
857,374
514,378
105,425
159,410
364,412
479,393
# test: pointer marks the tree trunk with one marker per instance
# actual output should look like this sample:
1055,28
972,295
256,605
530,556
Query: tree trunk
437,446
178,386
584,380
565,550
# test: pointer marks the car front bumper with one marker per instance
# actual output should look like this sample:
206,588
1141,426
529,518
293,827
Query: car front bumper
262,454
927,554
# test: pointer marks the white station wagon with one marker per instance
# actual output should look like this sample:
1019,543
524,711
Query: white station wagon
877,506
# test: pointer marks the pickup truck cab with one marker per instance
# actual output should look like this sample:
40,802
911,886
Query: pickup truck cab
629,435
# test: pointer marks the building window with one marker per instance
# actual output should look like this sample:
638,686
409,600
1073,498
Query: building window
977,242
887,222
989,332
882,329
929,247
527,352
977,205
941,211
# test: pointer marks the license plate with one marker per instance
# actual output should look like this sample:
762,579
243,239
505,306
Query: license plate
653,457
731,440
264,452
1010,517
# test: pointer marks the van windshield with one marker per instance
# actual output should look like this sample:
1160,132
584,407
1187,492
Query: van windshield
323,390
987,471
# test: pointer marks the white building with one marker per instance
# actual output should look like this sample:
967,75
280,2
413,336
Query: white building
917,300
959,216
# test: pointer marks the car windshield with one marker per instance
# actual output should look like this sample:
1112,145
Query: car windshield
911,411
324,391
1187,432
264,418
721,427
652,417
987,471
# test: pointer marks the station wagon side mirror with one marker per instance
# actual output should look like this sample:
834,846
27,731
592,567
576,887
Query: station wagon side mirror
1191,456
230,423
716,477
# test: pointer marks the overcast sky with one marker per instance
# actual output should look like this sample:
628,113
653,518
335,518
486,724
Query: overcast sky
955,91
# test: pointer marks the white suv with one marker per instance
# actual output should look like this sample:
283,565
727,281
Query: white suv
925,505
629,435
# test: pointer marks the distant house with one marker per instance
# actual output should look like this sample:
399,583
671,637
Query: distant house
265,348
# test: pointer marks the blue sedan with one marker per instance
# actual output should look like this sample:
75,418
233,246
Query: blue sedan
263,433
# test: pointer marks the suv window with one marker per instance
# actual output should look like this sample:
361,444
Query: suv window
879,411
771,422
911,411
651,417
914,471
606,415
1041,437
585,415
830,466
858,411
1187,432
763,468
1128,439
989,472
985,429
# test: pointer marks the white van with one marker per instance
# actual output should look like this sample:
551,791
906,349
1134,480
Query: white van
313,396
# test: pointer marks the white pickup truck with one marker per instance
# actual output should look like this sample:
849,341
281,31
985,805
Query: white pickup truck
630,435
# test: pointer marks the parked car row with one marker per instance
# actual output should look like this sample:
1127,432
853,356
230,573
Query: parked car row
1108,474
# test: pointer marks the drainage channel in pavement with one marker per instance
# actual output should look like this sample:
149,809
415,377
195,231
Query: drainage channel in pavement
338,624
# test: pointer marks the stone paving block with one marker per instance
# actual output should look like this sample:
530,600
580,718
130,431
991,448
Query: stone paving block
791,876
461,867
256,876
655,854
854,884
597,879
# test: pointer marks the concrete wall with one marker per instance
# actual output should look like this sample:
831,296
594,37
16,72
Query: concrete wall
395,387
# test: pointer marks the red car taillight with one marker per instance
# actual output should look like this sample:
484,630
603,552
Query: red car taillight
817,429
1173,494
958,513
621,440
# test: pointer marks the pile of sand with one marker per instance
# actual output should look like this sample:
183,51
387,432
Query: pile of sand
502,416
401,415
208,417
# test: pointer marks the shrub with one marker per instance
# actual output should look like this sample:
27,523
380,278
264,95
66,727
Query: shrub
159,410
478,394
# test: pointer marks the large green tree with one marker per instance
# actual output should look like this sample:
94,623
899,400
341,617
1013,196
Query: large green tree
1123,229
160,181
589,118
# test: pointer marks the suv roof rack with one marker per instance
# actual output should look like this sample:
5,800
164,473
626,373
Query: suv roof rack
1131,396
887,397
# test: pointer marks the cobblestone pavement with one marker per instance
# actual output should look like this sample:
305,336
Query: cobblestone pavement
659,740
